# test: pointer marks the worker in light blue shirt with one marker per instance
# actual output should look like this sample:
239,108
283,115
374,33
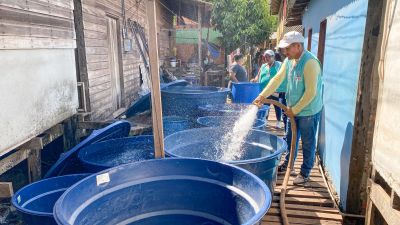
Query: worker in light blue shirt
268,71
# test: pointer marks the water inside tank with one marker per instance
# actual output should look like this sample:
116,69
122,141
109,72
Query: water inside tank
124,154
209,150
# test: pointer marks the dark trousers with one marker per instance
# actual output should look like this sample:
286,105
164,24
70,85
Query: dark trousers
307,131
282,99
278,111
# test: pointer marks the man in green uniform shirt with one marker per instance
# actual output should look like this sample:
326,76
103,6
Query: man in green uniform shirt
302,71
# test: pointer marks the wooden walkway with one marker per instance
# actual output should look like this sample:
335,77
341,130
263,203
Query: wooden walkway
306,205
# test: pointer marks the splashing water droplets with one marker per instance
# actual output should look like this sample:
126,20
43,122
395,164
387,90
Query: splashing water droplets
232,142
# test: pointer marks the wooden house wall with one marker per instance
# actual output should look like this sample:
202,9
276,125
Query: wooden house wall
34,24
96,47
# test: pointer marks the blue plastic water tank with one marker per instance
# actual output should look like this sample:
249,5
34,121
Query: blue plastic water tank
174,124
184,101
166,191
245,92
261,151
230,110
192,80
107,154
226,122
68,163
35,201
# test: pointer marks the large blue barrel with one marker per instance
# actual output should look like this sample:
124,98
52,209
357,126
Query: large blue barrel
261,151
192,80
230,110
226,122
245,92
166,191
35,201
107,154
174,124
184,101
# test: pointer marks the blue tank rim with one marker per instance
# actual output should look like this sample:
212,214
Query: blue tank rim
175,119
246,82
238,162
212,90
214,107
255,219
263,123
80,157
38,213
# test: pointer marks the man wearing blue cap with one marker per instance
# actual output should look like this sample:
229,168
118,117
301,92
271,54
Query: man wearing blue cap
302,71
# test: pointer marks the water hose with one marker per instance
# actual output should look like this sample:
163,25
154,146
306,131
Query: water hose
282,206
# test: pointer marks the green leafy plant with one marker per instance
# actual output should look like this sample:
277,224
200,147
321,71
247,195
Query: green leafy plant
242,22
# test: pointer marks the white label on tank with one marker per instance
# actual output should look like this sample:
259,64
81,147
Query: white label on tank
102,178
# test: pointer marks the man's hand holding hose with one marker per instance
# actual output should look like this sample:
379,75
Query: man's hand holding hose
259,101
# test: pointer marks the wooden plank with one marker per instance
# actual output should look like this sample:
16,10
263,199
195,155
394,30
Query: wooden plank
81,60
308,184
100,35
6,190
34,165
34,18
96,50
308,201
364,124
92,125
394,200
307,214
267,219
302,207
312,179
95,74
382,202
94,19
101,99
155,81
13,160
98,66
13,42
94,26
100,88
99,80
199,41
45,138
309,194
119,112
14,28
95,43
70,138
303,189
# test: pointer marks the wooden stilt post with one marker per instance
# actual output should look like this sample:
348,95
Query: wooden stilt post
6,190
199,40
155,80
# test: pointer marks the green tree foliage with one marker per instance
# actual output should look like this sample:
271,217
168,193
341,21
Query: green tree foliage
242,21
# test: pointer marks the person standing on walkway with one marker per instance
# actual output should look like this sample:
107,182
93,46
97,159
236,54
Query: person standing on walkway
303,73
237,72
267,71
